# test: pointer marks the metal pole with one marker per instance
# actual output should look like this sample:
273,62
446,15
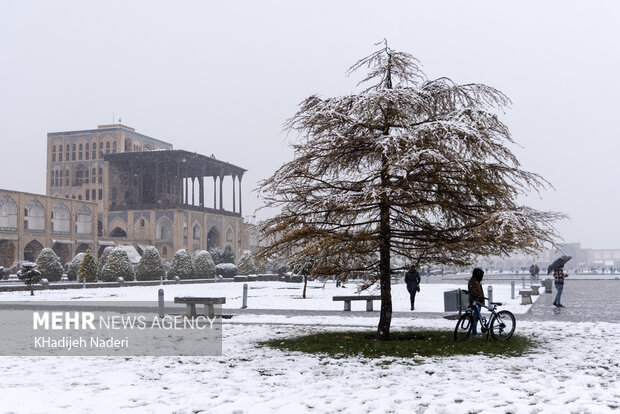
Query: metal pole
523,282
245,296
160,295
84,282
512,289
490,294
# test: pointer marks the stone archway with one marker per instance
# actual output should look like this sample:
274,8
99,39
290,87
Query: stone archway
63,251
82,248
7,253
32,250
118,232
213,238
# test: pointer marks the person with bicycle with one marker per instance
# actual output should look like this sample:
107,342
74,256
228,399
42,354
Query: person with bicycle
476,294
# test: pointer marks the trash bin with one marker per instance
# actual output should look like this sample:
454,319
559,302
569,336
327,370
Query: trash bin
455,300
547,284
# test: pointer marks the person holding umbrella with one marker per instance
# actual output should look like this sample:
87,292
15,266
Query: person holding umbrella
558,278
557,267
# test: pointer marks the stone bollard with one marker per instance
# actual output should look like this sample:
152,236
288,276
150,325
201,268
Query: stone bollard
512,289
245,296
121,281
523,283
490,294
45,284
176,279
160,301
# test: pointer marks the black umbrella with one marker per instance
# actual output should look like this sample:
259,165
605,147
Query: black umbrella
560,261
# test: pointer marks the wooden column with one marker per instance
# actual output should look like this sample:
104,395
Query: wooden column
233,192
221,192
240,176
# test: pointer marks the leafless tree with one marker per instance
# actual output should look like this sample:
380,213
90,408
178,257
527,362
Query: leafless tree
409,167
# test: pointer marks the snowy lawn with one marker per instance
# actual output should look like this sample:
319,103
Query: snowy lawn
276,295
573,370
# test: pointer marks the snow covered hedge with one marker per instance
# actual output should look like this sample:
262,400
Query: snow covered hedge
204,268
49,265
74,266
104,258
226,270
87,269
181,265
117,265
151,266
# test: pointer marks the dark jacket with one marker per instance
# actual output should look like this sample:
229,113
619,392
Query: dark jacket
412,279
475,290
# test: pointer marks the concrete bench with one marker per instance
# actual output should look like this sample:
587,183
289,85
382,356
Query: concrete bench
347,301
535,289
191,302
526,297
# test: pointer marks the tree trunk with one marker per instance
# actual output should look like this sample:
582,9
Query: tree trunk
385,318
305,285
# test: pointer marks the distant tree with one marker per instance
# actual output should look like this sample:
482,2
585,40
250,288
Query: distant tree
409,167
247,264
74,266
30,275
117,265
181,265
226,270
303,266
204,268
150,267
49,265
87,270
229,255
216,255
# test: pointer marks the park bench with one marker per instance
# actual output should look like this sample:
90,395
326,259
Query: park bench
347,301
526,297
191,302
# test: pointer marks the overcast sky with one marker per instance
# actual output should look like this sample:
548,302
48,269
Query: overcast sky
221,77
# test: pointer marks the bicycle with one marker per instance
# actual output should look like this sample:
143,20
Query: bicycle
501,325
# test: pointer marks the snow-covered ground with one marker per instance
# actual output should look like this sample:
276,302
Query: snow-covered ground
274,295
573,370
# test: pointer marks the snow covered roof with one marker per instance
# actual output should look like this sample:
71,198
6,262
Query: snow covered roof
192,164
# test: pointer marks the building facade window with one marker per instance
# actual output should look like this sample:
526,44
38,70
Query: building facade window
80,152
34,216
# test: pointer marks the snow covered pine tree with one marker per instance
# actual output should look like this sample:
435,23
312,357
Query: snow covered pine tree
150,267
408,168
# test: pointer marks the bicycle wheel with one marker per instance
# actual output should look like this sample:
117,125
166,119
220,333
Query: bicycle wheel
463,328
503,325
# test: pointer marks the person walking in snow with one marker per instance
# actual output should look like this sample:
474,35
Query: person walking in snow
534,271
476,293
558,278
412,279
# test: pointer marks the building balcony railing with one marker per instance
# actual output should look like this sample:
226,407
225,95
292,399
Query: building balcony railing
61,233
35,231
171,206
10,229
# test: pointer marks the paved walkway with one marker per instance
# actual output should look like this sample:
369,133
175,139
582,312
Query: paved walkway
584,301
